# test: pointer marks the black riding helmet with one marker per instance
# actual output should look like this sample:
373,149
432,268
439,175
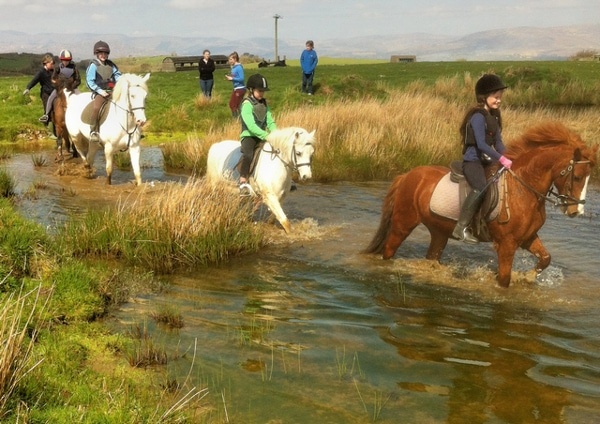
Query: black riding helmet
258,82
101,47
489,83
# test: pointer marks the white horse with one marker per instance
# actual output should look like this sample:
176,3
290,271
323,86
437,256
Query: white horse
285,151
119,127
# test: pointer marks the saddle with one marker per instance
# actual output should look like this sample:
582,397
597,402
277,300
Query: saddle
86,113
451,191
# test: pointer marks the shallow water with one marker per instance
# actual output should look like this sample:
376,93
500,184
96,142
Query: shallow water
311,331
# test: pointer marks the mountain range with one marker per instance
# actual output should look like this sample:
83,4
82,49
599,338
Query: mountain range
519,43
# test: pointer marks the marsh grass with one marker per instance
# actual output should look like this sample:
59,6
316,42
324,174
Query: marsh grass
7,183
168,316
145,352
18,312
39,160
166,229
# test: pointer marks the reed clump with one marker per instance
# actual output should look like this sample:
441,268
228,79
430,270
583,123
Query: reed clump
169,228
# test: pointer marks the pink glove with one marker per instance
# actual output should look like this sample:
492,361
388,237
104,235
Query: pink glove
506,162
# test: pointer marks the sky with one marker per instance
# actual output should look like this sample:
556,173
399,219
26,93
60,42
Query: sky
299,19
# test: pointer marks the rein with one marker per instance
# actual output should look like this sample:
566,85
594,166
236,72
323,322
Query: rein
560,199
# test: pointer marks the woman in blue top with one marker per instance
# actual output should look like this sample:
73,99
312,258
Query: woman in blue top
101,77
481,132
308,62
236,76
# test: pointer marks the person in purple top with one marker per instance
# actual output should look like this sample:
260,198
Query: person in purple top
481,132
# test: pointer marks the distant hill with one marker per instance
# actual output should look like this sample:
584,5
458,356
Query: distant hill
521,43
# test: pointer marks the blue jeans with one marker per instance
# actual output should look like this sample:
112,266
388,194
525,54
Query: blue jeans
307,82
206,86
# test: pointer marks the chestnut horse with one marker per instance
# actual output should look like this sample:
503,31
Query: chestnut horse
57,116
544,156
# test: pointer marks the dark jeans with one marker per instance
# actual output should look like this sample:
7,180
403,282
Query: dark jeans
307,82
248,146
206,86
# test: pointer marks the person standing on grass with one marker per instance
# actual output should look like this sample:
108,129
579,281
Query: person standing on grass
236,76
44,78
308,62
206,67
257,123
481,132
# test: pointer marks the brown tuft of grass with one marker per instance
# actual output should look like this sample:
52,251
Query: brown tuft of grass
17,337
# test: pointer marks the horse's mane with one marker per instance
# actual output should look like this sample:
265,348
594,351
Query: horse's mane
282,138
547,134
128,80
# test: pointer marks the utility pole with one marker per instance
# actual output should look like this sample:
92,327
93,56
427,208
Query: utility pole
276,17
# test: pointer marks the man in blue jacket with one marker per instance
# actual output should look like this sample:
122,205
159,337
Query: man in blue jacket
308,62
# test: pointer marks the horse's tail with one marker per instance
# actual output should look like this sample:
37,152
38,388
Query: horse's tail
385,224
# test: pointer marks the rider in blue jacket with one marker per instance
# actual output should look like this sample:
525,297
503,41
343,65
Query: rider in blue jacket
101,77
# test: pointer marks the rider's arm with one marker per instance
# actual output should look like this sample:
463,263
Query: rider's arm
90,79
271,126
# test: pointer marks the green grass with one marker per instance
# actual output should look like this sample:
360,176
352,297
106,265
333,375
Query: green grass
173,112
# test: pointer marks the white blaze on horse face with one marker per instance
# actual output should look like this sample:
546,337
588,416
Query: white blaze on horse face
580,207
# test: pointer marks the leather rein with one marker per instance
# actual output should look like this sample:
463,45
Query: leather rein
559,200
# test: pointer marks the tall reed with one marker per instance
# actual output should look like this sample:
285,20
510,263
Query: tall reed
162,230
17,319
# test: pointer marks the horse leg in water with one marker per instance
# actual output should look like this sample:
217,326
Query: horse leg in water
506,250
439,240
272,202
134,155
538,250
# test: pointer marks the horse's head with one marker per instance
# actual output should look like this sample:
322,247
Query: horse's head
572,180
304,147
133,90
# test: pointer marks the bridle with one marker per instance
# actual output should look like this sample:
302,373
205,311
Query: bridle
130,112
292,166
559,200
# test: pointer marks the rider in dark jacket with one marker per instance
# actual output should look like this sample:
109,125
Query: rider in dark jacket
481,132
44,78
68,70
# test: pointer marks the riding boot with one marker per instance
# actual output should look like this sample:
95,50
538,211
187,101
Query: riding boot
94,118
469,208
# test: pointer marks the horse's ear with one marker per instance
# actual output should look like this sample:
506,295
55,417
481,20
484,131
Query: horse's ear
146,77
312,133
577,154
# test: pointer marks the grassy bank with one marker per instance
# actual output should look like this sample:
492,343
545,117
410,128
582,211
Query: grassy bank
59,364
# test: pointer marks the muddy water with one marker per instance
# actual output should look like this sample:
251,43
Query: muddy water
311,331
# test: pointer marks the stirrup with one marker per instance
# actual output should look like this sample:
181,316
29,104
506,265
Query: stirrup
44,119
245,190
465,235
94,137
